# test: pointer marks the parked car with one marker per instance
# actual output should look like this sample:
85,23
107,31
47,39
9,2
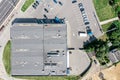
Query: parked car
60,3
85,19
46,10
45,16
89,31
57,19
83,12
82,34
95,61
37,2
84,16
55,1
81,6
81,9
34,6
74,1
86,22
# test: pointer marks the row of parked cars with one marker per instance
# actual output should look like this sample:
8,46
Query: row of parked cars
56,1
85,19
35,4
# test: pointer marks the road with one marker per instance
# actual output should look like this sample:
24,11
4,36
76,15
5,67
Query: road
6,6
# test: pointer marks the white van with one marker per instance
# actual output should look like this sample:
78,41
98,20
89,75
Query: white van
82,34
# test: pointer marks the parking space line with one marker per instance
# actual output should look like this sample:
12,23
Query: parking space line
77,14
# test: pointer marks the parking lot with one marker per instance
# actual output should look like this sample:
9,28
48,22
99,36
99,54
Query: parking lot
73,16
74,21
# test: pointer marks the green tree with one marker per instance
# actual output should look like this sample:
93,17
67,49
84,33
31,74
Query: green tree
100,48
114,36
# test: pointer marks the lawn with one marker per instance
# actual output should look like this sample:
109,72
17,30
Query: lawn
104,10
6,57
48,77
106,26
104,37
26,5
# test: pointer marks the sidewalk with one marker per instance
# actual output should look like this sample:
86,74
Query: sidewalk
4,37
110,20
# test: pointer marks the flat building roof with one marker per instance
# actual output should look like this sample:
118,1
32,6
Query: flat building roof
39,49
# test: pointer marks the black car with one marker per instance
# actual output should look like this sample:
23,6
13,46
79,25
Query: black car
45,16
34,6
55,1
95,61
74,1
81,7
88,29
86,22
60,3
46,10
37,2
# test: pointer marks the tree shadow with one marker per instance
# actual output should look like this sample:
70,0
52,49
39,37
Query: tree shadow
91,39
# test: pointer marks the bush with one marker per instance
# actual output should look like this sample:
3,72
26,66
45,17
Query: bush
26,5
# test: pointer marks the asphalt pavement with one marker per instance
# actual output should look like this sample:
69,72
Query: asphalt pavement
72,14
6,6
69,11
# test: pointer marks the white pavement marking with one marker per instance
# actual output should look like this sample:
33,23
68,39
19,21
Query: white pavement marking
110,20
68,34
77,14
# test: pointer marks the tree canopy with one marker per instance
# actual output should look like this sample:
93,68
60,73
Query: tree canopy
114,36
100,48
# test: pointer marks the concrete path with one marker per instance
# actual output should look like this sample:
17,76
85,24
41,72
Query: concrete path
110,20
